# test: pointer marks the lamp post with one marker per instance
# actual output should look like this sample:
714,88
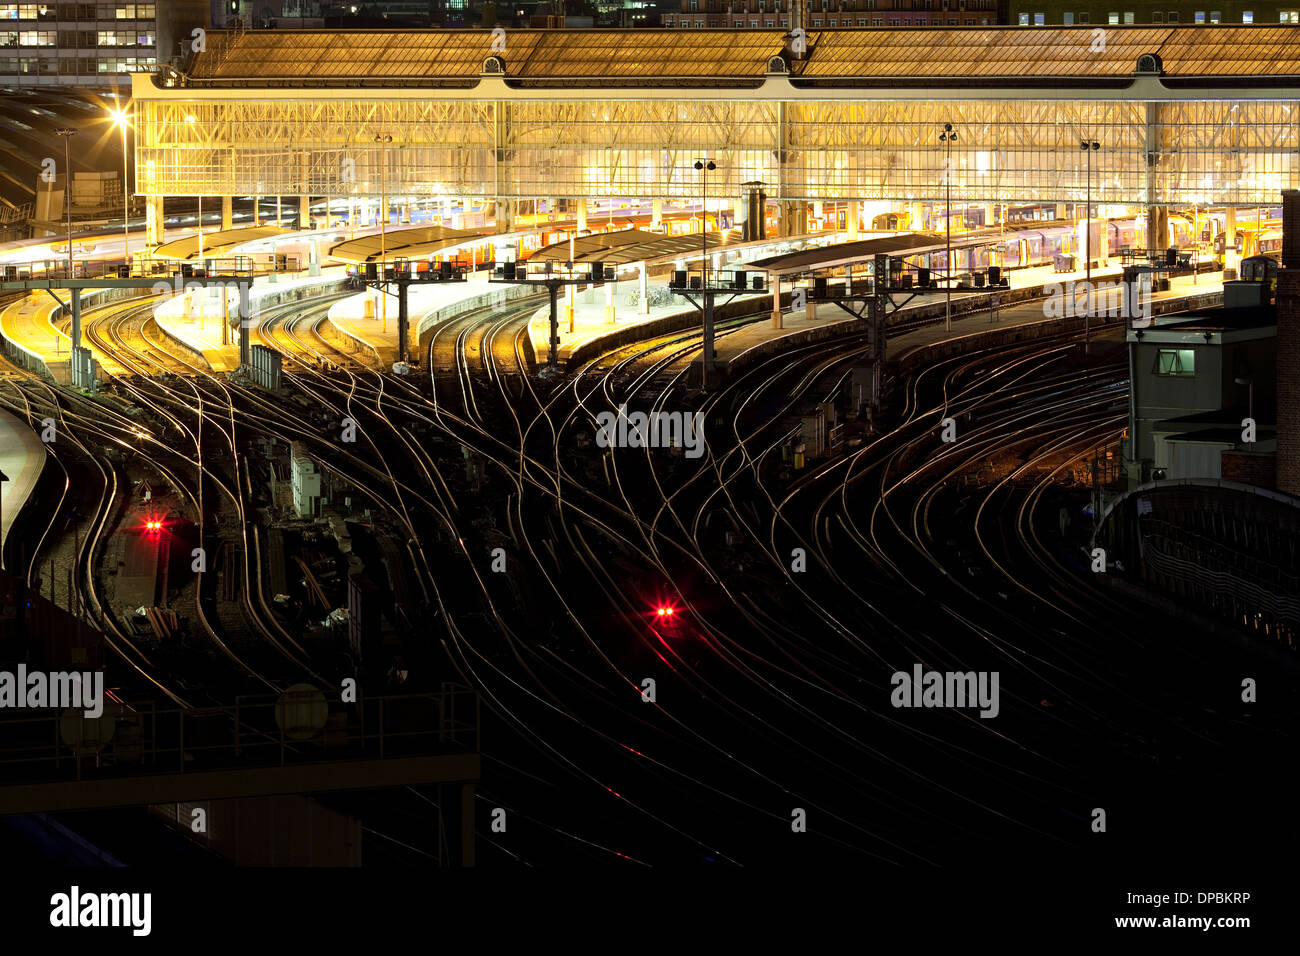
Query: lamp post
383,226
66,132
123,120
1089,146
704,165
947,137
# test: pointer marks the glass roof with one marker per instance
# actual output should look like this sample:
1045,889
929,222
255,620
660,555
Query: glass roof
732,56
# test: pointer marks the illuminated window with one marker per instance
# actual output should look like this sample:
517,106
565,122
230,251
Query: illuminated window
862,21
1069,20
1039,20
1288,16
1024,19
1247,16
1200,16
1216,16
1128,18
1176,362
1112,18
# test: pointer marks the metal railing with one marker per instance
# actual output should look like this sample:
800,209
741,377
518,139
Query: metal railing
254,732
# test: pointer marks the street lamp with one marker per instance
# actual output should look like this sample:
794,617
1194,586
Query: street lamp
66,132
1089,146
704,166
947,137
123,121
383,226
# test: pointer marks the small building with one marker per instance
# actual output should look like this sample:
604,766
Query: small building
1196,378
305,480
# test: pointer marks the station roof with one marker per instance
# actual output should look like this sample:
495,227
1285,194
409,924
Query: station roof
415,243
718,57
633,245
216,244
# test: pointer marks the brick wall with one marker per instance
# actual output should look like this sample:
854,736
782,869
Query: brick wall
1288,381
1250,469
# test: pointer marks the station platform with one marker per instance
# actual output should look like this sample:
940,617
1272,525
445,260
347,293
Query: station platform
758,334
590,322
22,456
33,340
591,327
195,320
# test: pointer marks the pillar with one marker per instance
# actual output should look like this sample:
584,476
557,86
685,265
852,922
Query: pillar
153,220
582,215
609,301
1229,236
656,213
227,213
570,306
776,301
76,321
851,220
304,212
643,303
793,218
245,355
278,219
503,214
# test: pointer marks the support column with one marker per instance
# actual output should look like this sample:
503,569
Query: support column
245,352
278,219
227,213
643,302
776,302
793,218
153,220
582,215
656,213
851,220
609,302
504,213
1229,237
570,307
304,212
76,319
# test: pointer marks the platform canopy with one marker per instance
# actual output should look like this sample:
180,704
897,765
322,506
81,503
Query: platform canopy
634,245
417,243
897,246
216,245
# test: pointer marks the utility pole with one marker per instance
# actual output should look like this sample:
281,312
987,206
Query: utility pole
947,137
66,132
1089,146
